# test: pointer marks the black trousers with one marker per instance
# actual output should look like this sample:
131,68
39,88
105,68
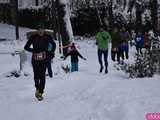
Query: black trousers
139,50
49,67
114,55
39,69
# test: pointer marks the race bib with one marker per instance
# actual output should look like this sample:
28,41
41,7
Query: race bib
39,56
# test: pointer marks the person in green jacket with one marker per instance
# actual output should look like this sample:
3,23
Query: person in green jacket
102,41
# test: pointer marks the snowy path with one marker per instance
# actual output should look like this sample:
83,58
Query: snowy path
86,95
94,98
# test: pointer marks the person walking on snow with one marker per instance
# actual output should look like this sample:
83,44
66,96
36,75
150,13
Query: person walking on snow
116,42
139,42
125,43
49,63
40,56
102,41
73,52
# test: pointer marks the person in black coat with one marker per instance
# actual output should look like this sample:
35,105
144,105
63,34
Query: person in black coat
116,42
40,56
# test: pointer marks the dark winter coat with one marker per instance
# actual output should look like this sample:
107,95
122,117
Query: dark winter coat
116,40
41,44
74,55
125,38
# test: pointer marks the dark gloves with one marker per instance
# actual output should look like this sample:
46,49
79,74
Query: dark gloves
51,55
63,57
84,58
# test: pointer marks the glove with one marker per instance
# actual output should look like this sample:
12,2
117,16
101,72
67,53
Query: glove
51,55
63,58
13,54
84,59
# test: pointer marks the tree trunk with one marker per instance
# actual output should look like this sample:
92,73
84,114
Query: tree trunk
154,8
110,11
124,4
37,2
64,24
138,17
14,5
53,16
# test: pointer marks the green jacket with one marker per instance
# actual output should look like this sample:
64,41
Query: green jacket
102,40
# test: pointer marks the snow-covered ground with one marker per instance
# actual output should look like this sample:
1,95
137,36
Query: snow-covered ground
85,95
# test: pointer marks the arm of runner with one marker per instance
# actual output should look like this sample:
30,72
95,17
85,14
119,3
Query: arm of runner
27,46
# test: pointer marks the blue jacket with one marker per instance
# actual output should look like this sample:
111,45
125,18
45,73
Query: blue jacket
124,47
139,41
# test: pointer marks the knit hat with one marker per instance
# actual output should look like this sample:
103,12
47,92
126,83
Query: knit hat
73,46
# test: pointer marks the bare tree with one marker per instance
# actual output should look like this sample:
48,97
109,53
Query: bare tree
14,4
64,24
37,2
154,8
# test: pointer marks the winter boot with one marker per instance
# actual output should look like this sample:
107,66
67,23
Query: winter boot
101,69
51,75
106,71
38,95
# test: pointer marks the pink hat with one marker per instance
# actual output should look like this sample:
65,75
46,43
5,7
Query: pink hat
73,46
